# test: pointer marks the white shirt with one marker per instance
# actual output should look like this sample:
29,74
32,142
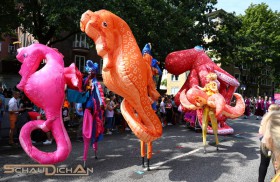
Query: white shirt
162,107
110,114
13,104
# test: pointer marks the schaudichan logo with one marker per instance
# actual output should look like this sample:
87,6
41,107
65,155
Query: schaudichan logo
48,170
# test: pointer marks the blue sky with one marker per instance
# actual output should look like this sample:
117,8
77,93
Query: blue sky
239,6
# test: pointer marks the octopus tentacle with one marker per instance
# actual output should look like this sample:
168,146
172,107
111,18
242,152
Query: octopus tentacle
237,110
185,102
226,78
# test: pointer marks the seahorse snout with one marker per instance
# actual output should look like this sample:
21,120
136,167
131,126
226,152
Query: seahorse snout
85,19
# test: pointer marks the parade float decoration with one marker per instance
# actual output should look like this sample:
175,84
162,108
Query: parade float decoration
212,104
94,108
125,73
46,89
199,66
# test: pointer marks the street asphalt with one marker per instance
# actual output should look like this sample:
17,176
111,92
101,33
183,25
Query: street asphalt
177,156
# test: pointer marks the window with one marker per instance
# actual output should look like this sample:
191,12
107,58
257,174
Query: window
174,78
254,80
263,82
11,49
264,72
268,82
80,62
174,90
237,76
187,74
81,41
100,65
0,46
244,78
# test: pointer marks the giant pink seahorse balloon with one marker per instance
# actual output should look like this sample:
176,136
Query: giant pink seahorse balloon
45,88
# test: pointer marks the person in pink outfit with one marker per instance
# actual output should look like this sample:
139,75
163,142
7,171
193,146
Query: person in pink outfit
259,108
268,103
247,107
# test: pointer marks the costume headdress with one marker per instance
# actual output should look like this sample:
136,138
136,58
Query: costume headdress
147,49
91,67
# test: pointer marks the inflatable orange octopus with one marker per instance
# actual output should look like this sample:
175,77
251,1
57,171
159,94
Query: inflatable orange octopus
125,73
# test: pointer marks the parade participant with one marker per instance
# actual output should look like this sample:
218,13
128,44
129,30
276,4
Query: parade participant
265,106
93,122
169,111
264,152
46,89
148,58
125,73
2,107
190,117
162,112
66,113
13,114
247,107
109,114
269,102
259,108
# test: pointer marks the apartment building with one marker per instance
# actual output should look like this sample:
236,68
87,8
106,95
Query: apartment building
9,66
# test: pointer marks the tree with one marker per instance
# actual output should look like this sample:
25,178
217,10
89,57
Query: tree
48,19
225,41
164,82
260,48
8,17
169,25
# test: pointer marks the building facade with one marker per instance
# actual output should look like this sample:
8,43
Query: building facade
76,49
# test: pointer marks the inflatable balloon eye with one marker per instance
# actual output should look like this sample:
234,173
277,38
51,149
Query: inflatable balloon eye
45,88
125,73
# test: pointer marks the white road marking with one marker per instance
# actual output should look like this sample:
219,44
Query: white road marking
157,165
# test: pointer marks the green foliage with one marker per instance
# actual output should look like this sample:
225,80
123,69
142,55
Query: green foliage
252,40
169,25
47,19
164,82
225,40
8,17
260,50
